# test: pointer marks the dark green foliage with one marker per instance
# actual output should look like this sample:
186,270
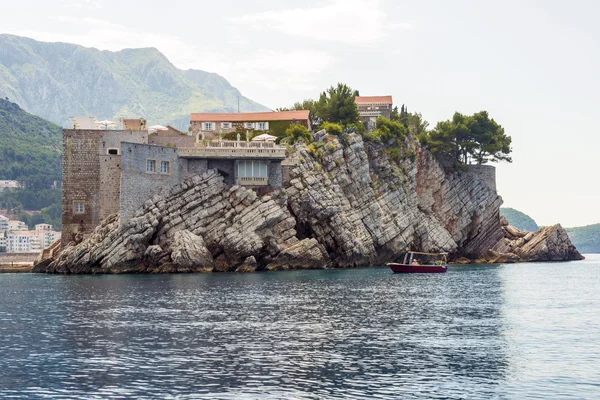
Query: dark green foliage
519,220
390,132
586,238
466,139
332,128
337,104
308,104
297,133
30,148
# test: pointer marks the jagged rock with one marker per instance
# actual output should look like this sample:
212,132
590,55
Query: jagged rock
189,253
349,205
249,265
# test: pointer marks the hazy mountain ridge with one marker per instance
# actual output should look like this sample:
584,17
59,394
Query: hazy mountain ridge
57,80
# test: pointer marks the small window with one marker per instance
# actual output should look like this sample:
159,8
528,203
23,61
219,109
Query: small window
75,228
262,126
78,207
208,126
113,151
226,125
248,125
165,167
151,166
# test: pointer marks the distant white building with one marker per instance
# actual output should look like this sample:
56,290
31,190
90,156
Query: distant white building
9,185
44,227
17,226
19,242
4,224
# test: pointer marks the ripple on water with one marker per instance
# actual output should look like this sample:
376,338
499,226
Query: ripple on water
475,332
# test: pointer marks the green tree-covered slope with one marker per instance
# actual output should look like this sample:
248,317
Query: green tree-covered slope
58,80
586,238
519,220
30,147
30,152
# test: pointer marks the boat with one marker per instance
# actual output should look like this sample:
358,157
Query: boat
417,262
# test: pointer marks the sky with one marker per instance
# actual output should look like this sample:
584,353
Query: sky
533,65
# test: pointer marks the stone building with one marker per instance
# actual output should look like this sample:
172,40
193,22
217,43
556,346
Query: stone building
212,125
110,171
371,107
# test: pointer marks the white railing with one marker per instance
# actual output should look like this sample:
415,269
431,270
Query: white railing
252,181
234,149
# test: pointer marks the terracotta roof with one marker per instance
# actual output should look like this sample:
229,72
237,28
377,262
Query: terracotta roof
374,99
301,115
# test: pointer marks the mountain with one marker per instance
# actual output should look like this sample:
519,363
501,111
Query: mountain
30,147
58,80
519,220
586,238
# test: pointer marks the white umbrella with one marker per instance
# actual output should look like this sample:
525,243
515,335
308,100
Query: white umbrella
265,137
155,128
105,123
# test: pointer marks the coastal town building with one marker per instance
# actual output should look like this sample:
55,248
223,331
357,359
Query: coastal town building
211,125
371,107
17,226
108,171
4,224
9,185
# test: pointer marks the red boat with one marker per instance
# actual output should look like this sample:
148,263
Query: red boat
415,262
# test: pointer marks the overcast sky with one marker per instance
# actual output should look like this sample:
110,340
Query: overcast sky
533,65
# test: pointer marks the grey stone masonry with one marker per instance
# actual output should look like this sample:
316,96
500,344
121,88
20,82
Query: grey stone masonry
486,174
137,183
275,174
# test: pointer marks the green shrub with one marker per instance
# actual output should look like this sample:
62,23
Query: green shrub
297,133
332,128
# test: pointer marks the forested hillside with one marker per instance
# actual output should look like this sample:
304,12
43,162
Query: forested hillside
519,220
30,152
58,80
586,238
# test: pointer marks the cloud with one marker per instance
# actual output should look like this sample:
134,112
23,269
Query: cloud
359,22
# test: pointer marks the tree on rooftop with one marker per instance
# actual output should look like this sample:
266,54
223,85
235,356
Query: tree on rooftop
337,105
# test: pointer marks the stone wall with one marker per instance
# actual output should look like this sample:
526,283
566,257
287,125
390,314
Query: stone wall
193,166
226,168
110,185
484,173
137,185
113,139
172,141
81,181
8,259
275,174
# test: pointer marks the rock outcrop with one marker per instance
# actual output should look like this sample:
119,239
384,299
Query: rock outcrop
345,205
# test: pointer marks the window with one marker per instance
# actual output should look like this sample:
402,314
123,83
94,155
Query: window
75,228
252,169
113,151
165,167
78,207
151,166
249,125
207,126
262,126
226,125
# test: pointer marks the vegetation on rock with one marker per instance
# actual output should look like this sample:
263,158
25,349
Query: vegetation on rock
466,139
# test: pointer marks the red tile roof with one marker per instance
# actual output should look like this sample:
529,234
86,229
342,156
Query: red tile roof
301,115
374,99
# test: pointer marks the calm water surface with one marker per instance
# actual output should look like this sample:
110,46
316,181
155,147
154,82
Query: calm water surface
513,331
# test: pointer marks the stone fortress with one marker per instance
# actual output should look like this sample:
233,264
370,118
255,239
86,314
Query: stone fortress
108,171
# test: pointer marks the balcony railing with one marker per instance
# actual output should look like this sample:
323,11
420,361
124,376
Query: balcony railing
233,149
252,181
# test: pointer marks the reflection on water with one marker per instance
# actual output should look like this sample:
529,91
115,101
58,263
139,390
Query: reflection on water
475,332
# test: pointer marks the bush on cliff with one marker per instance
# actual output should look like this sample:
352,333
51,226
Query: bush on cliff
332,128
297,133
337,104
467,139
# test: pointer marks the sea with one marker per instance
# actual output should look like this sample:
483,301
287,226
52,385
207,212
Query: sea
521,331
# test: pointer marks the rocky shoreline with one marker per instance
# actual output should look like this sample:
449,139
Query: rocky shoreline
346,205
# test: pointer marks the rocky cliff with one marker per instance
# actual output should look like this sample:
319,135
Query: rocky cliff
345,205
